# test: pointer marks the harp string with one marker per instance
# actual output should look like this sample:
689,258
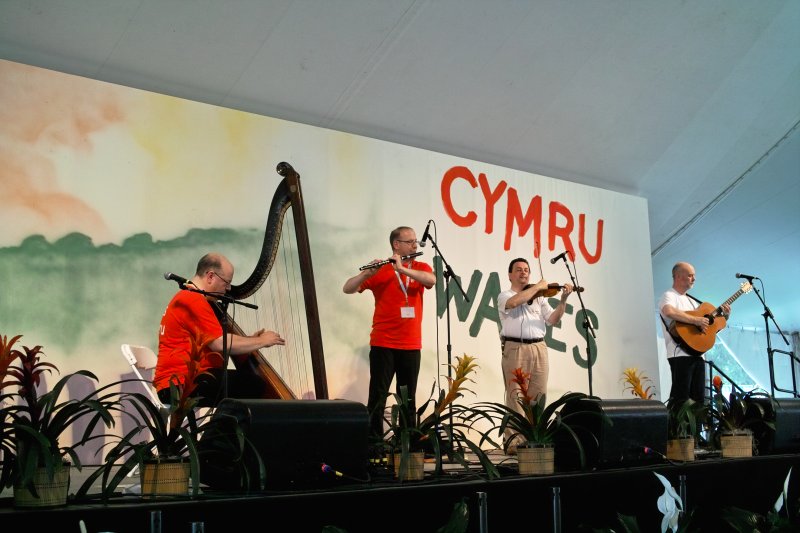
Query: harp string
281,308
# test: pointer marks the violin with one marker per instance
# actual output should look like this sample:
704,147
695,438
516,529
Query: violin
552,288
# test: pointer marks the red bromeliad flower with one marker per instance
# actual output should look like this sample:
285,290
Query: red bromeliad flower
717,383
521,379
7,355
28,376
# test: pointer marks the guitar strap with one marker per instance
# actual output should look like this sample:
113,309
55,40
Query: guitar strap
693,298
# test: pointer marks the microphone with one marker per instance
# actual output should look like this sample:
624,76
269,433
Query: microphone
426,235
174,277
562,255
745,276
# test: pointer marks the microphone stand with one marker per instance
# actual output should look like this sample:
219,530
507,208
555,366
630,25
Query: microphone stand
447,275
587,325
770,351
221,302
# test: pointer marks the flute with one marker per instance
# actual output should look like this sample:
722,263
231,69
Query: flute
387,261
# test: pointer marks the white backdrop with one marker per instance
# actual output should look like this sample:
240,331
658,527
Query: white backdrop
112,162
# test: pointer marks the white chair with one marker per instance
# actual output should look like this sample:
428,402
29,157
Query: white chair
142,358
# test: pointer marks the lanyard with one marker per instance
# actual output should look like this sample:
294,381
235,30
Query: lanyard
403,287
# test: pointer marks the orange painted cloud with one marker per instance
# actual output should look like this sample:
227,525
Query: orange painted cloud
42,117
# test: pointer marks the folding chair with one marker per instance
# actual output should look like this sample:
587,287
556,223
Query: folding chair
143,358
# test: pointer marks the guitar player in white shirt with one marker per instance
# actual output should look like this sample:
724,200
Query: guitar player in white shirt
687,365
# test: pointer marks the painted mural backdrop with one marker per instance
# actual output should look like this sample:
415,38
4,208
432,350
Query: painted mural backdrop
104,188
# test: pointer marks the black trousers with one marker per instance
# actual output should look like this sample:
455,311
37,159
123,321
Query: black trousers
688,378
384,364
211,391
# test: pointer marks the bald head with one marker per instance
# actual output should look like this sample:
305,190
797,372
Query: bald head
681,267
213,261
683,277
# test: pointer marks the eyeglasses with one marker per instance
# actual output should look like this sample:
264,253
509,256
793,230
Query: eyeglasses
411,241
227,281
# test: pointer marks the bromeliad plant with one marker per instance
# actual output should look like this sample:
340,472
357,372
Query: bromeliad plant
536,422
7,356
32,425
739,411
174,434
439,424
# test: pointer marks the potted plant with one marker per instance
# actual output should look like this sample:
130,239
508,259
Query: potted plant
165,445
684,419
438,425
538,424
735,415
35,461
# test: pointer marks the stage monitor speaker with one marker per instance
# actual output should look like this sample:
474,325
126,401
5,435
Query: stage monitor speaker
785,438
632,432
303,443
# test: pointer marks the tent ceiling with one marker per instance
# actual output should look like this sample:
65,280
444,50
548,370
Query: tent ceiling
692,105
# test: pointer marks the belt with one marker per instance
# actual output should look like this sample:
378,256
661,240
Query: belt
523,341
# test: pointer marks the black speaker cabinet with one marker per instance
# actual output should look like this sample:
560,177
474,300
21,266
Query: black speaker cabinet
632,432
785,438
303,443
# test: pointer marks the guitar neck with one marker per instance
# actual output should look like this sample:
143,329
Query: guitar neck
744,288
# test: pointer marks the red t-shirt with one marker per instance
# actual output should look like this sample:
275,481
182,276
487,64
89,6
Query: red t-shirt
187,312
389,329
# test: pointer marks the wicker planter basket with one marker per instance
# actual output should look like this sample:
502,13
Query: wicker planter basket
52,492
165,478
536,459
737,444
680,449
414,468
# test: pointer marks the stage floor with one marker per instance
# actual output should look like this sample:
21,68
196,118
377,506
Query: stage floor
131,487
573,499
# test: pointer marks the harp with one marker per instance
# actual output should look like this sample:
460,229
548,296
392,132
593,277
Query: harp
286,376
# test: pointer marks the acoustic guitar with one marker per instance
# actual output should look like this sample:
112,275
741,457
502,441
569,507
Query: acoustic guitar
691,338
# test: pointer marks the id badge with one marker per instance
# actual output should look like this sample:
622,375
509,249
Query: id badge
406,312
